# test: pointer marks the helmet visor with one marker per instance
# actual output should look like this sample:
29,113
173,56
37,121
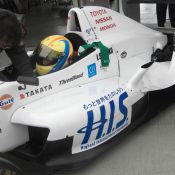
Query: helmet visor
47,56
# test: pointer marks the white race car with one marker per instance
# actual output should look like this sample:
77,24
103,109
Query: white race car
63,119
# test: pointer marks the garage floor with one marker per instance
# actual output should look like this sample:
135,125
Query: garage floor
44,22
150,149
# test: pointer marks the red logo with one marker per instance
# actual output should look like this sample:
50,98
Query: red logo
6,102
22,96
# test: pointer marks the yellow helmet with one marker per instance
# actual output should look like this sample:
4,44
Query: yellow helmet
53,54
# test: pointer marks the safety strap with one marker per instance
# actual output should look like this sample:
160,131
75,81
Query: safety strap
104,52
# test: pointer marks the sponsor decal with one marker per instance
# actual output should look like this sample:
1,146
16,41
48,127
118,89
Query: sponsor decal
105,127
102,99
92,70
36,91
74,77
107,27
98,12
123,54
101,16
98,57
22,96
6,101
102,20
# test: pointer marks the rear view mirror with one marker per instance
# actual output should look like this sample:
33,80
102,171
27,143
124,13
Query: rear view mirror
34,81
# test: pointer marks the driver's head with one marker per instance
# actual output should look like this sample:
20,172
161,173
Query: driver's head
10,30
53,54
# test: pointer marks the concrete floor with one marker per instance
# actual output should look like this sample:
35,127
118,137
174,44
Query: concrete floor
44,22
148,15
150,149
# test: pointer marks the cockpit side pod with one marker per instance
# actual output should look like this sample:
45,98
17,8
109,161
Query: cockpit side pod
10,135
79,125
84,71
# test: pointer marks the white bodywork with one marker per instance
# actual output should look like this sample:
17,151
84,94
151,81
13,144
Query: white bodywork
85,100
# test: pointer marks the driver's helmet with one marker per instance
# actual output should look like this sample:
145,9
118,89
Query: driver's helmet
53,54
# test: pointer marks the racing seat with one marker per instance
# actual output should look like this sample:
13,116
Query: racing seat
3,77
76,40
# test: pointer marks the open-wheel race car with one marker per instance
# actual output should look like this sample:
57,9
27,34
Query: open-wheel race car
63,119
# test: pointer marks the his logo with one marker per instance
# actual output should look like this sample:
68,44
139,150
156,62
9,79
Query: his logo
99,125
91,126
6,102
92,70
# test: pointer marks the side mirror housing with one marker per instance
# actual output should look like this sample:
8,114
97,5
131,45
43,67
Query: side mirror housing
34,81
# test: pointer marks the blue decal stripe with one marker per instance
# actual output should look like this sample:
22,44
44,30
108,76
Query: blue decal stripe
89,127
103,121
97,127
62,60
123,109
111,120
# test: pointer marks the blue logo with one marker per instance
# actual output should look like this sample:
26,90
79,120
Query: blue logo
99,125
91,126
92,70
